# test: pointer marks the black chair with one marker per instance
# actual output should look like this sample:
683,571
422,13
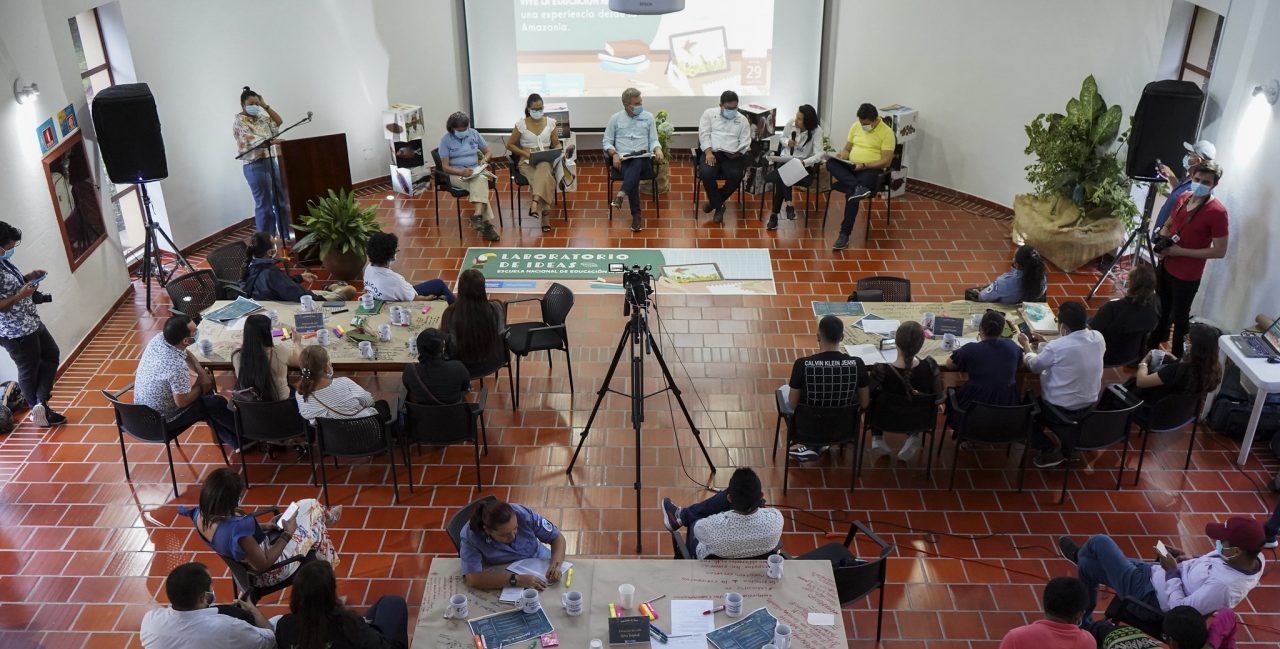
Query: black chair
1096,430
892,289
192,293
1124,349
242,575
983,423
615,176
273,422
819,426
808,185
228,263
902,413
697,184
463,517
1171,413
524,338
856,579
440,183
883,184
1137,614
360,437
144,424
683,552
518,181
445,425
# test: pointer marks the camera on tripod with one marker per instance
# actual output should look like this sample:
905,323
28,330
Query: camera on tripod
638,284
1161,244
41,298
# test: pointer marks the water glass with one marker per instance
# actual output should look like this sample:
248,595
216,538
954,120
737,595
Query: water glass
626,596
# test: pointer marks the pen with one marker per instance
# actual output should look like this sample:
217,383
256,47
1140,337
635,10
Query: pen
568,578
650,601
653,628
338,311
714,610
658,636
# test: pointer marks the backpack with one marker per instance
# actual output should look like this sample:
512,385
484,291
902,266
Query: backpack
10,401
1229,413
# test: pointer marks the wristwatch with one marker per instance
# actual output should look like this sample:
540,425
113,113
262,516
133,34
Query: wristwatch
512,579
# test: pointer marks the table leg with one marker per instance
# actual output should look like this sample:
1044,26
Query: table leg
1259,400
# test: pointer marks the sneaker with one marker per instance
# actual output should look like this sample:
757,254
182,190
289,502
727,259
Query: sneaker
617,201
55,419
1047,459
841,243
1069,549
1270,545
490,233
39,416
719,219
879,447
637,224
910,448
706,207
791,212
804,453
859,193
670,515
773,222
477,222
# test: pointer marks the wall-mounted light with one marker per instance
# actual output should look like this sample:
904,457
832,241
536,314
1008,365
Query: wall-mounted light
1270,90
24,94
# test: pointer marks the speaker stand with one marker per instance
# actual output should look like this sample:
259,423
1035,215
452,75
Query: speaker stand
1139,240
152,263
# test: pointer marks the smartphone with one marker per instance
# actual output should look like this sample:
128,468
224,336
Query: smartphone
39,278
290,512
1026,331
334,305
1164,552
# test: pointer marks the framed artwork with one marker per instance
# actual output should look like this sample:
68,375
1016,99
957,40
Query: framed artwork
75,199
67,120
48,136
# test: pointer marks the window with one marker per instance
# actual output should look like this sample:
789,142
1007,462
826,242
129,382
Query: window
95,74
1201,47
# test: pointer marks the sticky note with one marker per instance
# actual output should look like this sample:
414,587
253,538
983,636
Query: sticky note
822,619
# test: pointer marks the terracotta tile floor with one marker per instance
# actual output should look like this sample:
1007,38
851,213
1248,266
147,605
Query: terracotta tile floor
83,552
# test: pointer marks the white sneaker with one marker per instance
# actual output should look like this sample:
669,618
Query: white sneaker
879,447
910,448
38,415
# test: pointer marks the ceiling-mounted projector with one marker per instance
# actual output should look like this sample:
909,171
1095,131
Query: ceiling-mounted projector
646,7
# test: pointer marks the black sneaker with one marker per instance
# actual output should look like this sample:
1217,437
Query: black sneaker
1048,459
773,222
841,243
55,418
617,202
791,212
670,515
719,218
637,224
477,222
1069,549
807,453
706,207
859,193
490,233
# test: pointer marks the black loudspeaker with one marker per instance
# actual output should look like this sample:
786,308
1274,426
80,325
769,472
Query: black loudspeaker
129,133
1168,115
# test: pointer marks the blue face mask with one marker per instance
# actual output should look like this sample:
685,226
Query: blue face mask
637,110
1186,162
1200,189
1217,547
255,110
461,135
535,114
8,254
729,113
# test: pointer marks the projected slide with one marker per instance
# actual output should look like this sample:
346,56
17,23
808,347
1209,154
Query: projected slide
579,48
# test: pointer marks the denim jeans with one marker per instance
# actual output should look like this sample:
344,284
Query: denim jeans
210,408
391,615
851,180
435,287
631,171
727,169
1101,562
258,175
717,504
1272,525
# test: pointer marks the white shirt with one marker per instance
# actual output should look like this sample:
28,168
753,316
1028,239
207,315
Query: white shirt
205,628
1206,582
386,284
730,535
530,141
715,133
1070,369
808,148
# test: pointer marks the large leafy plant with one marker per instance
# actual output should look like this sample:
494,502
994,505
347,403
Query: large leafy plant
337,223
1076,156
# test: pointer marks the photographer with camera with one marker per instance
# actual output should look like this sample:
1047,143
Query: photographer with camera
1195,232
28,342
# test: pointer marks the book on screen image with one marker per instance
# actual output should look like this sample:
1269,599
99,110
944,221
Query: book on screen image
609,66
630,60
626,49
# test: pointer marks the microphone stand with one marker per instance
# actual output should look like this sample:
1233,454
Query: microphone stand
281,230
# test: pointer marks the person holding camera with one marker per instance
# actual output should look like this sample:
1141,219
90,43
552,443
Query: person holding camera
23,335
1201,151
1195,233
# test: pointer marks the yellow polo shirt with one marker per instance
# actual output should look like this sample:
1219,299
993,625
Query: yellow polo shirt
869,145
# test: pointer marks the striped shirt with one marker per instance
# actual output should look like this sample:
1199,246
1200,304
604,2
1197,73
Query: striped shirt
341,399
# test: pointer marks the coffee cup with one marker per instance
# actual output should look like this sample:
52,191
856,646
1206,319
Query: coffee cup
384,333
366,349
206,346
307,303
572,602
458,607
782,636
367,301
322,337
626,596
733,604
948,341
529,602
773,567
975,320
413,346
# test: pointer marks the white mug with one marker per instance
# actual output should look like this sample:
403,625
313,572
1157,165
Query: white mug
275,316
733,604
322,337
397,315
367,301
366,349
206,346
572,602
413,346
782,636
308,303
458,607
948,341
773,567
384,333
529,602
626,596
975,320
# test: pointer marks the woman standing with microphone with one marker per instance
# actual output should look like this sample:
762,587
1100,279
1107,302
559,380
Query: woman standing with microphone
255,123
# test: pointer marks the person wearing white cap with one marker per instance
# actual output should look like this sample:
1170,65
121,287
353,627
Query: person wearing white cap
1201,151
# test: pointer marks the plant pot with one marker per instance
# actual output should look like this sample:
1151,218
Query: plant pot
345,266
1054,227
663,180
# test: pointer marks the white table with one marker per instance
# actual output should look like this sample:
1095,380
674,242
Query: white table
1265,376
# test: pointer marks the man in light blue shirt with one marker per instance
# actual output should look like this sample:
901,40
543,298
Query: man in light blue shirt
629,138
724,136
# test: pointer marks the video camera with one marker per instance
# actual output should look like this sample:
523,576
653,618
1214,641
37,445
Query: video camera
1161,243
41,298
638,284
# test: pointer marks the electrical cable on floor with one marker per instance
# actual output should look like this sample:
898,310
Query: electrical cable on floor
675,434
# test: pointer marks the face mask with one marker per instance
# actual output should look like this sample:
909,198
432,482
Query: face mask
535,114
8,254
461,135
1186,162
868,127
1200,189
255,110
1217,547
637,109
729,113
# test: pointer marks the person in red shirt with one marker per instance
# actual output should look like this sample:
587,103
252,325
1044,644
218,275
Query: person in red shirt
1065,600
1199,223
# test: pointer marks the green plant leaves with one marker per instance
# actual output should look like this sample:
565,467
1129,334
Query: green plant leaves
1107,127
337,222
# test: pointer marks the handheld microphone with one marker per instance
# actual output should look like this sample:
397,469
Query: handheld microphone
309,114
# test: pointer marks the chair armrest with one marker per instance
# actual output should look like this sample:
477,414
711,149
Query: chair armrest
528,333
482,398
507,303
859,526
117,395
951,401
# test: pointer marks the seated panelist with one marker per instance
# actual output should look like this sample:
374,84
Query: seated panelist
630,135
724,136
536,132
802,138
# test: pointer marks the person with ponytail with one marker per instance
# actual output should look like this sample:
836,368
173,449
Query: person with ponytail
1025,282
264,279
262,368
321,396
255,123
435,380
909,375
535,132
500,533
319,619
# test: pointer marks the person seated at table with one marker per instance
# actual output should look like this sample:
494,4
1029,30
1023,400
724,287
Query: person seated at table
385,284
724,135
232,532
191,621
462,152
1125,323
1070,369
501,532
1063,603
532,133
801,139
1222,578
827,379
991,363
163,383
320,395
319,619
733,524
476,324
908,375
1025,282
262,367
1198,372
264,279
436,379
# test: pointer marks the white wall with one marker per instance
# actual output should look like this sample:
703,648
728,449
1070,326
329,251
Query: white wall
979,70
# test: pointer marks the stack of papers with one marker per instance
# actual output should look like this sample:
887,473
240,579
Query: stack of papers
536,567
874,324
238,309
870,355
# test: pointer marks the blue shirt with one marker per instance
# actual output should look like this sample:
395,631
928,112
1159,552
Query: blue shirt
626,134
1170,201
1007,289
463,152
478,549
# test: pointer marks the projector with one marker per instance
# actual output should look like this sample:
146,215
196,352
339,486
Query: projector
646,7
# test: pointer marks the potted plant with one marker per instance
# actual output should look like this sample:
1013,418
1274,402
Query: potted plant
338,227
662,171
1080,207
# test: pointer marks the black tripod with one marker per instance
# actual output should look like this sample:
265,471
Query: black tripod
641,341
152,264
1139,240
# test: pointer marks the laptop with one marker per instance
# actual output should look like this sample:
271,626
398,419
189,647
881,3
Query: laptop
1263,345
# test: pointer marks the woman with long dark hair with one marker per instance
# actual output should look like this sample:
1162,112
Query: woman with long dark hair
318,619
909,375
802,138
264,279
501,532
475,322
262,368
231,532
535,132
1025,282
1125,323
1197,372
256,123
